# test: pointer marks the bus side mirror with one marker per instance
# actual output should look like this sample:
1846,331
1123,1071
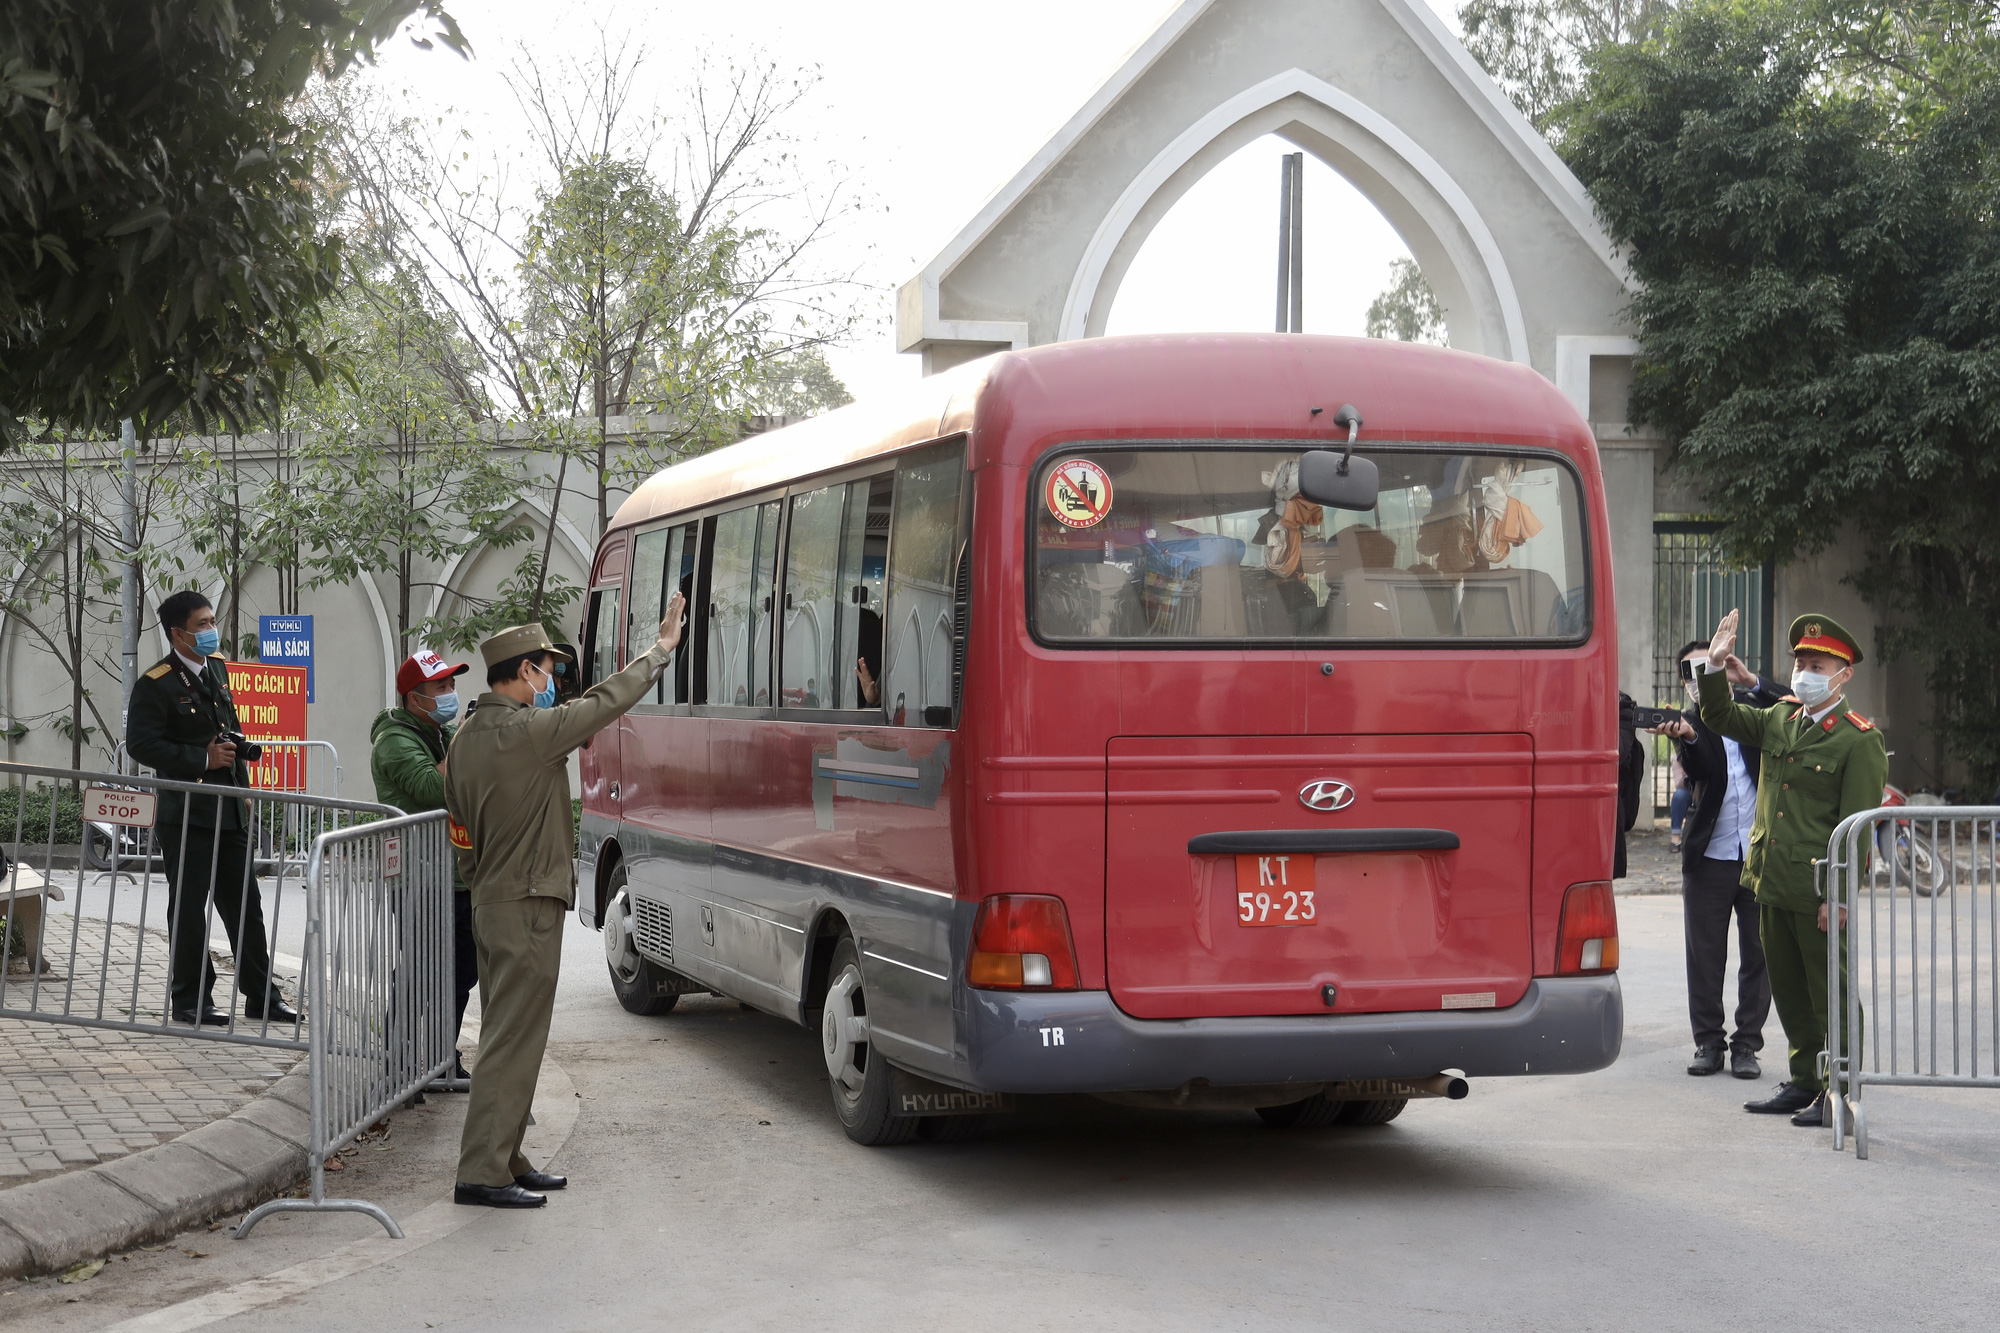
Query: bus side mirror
1328,479
1340,481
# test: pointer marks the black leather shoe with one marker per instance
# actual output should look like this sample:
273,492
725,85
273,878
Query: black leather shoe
541,1180
1743,1064
1788,1098
277,1011
497,1196
1813,1116
1707,1060
209,1015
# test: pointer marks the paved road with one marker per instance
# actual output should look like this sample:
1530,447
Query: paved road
714,1190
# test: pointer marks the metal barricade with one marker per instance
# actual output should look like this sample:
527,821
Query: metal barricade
309,767
379,968
98,950
1922,947
344,907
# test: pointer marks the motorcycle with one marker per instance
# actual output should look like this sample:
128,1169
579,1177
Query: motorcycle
1910,850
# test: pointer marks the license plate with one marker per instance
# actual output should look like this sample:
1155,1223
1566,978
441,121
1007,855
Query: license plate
1276,890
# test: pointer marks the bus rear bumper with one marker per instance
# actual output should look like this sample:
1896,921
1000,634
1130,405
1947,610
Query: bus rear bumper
1082,1042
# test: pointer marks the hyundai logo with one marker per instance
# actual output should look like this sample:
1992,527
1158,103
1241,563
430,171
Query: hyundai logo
1326,794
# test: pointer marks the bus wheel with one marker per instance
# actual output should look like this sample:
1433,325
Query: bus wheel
636,980
1315,1112
1371,1113
858,1080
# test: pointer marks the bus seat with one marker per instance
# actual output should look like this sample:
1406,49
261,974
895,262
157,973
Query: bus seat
1221,615
1088,601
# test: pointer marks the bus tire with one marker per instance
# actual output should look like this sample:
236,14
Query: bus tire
634,979
1315,1112
1372,1112
857,1078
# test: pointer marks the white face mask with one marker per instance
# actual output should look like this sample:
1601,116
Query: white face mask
1812,688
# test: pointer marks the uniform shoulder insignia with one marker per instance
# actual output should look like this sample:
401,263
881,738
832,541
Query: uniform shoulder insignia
1861,721
159,671
218,657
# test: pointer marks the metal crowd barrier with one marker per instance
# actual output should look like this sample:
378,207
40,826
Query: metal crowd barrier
350,902
309,767
1922,946
379,968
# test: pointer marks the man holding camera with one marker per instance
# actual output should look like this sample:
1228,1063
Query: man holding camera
182,724
1722,774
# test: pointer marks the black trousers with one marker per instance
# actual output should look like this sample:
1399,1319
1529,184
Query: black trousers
464,956
1711,893
194,863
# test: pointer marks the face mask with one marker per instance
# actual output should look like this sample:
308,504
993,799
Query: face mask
1693,691
444,707
206,641
545,697
1812,688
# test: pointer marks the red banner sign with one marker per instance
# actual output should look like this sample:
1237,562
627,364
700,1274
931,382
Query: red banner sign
271,707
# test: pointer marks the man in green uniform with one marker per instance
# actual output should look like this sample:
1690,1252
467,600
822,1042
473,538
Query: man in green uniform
174,725
507,792
1821,763
407,761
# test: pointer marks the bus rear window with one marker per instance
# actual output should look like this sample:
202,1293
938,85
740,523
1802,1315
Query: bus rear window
1174,545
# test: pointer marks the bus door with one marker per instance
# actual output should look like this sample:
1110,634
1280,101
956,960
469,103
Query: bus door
663,750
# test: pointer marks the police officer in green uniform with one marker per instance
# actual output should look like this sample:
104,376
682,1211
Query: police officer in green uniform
1821,763
506,789
178,713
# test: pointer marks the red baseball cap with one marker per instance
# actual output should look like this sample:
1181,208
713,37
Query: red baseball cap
423,665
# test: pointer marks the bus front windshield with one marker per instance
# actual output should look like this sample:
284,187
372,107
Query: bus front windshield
1156,545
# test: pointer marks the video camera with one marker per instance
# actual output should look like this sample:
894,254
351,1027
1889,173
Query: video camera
246,749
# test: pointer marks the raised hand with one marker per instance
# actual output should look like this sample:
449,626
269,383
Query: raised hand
1724,642
1739,673
670,623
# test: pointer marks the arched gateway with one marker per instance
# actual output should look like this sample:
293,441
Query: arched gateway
1380,91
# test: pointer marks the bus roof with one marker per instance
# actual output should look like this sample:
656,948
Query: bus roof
1168,386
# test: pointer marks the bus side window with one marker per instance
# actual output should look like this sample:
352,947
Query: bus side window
675,682
741,575
601,653
859,583
924,542
642,620
810,624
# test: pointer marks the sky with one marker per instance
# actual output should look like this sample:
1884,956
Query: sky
923,108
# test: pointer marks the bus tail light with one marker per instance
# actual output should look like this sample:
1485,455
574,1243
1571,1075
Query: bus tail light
1588,940
1021,941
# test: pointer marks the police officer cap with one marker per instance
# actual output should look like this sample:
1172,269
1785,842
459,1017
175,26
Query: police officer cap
516,641
1823,634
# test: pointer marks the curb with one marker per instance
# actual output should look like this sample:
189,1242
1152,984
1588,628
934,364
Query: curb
248,1156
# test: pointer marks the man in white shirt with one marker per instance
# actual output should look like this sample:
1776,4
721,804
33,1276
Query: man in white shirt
1715,841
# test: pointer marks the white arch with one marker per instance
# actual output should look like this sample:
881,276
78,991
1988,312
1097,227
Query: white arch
1436,219
570,533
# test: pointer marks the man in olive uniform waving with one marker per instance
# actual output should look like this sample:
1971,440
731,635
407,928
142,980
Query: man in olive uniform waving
506,789
178,714
1821,763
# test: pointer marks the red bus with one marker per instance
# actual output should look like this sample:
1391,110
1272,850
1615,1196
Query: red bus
1034,733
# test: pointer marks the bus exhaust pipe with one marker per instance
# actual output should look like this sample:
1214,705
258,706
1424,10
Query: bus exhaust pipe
1442,1085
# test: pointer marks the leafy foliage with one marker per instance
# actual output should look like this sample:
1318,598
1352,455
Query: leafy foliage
1407,310
1536,49
160,247
1815,229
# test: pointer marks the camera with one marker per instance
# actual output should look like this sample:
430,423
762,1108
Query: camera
246,749
1641,718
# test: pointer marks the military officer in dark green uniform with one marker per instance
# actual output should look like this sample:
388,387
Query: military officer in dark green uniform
1821,763
178,712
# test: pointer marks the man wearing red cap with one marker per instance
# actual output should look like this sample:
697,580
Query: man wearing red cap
408,763
1821,762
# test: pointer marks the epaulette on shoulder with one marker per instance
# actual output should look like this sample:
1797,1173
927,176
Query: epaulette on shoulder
1861,721
159,671
218,657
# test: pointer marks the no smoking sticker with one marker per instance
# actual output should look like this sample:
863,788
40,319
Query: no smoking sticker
1078,493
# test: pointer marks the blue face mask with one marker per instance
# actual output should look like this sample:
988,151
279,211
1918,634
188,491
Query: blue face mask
206,641
545,697
444,707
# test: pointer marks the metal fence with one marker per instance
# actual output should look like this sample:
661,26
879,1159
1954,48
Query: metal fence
1693,587
341,908
1922,951
379,964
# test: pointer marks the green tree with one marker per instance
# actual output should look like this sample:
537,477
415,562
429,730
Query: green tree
1407,310
1536,49
1814,226
159,245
